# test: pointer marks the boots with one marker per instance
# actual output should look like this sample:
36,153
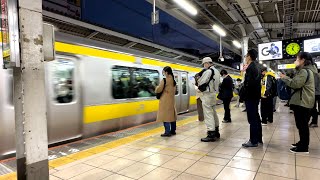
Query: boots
210,138
217,134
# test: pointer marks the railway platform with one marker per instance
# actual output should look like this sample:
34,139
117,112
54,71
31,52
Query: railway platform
140,153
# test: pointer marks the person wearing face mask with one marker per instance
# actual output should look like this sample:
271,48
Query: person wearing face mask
226,94
208,84
302,99
167,111
251,94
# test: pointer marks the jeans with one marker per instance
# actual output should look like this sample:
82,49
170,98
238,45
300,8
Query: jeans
302,116
267,109
254,120
167,128
226,106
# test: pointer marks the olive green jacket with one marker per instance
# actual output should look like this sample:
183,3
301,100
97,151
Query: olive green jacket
304,92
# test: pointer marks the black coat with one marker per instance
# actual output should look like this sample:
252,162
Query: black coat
226,88
252,83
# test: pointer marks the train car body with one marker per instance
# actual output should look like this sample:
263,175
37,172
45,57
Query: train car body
93,88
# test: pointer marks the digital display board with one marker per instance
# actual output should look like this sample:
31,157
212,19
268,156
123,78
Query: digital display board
312,45
270,51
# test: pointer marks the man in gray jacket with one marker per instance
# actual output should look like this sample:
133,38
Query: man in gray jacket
208,84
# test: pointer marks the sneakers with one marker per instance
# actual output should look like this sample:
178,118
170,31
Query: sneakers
249,144
264,124
299,151
313,125
173,133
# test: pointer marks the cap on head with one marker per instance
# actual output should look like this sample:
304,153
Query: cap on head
206,60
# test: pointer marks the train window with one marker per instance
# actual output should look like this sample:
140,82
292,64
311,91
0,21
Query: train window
176,78
133,82
63,80
184,83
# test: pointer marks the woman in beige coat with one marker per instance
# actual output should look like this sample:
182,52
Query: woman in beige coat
167,111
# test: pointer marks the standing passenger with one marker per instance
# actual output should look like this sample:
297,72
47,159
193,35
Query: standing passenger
267,96
302,99
251,95
226,94
238,86
167,111
208,84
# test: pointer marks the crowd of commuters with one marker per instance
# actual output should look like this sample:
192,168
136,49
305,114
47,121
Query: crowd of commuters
259,86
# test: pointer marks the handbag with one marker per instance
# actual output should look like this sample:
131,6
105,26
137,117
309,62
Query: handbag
158,95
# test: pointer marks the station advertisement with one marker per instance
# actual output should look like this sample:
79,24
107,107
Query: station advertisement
4,35
270,51
71,8
312,45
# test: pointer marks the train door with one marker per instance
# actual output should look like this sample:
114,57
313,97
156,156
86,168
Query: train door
176,77
64,102
184,100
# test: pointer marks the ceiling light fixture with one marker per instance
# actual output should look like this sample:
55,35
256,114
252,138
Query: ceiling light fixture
187,6
236,43
219,30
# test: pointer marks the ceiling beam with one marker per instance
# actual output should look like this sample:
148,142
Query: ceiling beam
312,26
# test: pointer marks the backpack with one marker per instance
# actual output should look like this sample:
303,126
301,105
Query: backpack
203,87
274,92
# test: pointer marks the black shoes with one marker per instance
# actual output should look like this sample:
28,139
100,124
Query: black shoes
299,150
166,135
313,125
173,133
211,137
249,144
217,134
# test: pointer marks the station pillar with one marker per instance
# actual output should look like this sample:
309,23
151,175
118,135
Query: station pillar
244,44
29,96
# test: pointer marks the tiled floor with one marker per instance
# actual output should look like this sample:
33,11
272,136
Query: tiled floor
184,157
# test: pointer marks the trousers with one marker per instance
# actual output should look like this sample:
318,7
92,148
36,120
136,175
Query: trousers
254,120
211,118
226,106
267,109
314,111
200,110
302,116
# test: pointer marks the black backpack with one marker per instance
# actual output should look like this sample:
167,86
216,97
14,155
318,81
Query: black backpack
203,87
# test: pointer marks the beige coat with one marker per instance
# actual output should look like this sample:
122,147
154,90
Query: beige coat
167,110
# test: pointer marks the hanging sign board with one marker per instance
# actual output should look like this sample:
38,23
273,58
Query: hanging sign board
286,66
9,42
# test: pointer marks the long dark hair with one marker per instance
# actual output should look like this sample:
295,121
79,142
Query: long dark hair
168,70
307,58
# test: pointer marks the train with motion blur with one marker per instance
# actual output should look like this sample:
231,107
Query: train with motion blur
93,88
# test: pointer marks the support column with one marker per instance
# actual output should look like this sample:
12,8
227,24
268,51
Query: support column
244,48
30,104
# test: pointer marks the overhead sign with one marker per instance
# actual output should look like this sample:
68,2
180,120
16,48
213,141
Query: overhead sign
270,51
286,66
312,45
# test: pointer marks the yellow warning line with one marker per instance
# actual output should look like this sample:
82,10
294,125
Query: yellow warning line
101,148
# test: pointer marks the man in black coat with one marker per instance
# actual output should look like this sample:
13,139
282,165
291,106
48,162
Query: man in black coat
226,94
251,94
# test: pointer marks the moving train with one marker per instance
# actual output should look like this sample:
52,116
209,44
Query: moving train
93,88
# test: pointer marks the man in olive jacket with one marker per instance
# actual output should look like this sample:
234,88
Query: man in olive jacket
302,99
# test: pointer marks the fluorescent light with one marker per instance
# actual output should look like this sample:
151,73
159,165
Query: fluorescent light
264,65
236,43
260,62
187,6
219,30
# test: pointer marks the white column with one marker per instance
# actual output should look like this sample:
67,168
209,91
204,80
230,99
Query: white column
244,47
30,104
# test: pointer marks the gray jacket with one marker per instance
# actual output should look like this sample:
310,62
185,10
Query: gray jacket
213,86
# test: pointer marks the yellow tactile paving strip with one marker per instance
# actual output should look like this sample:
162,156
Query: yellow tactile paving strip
101,148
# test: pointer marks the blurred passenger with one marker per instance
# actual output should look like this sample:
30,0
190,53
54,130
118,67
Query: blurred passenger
302,99
237,90
314,112
251,93
226,94
208,84
167,110
198,96
268,92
